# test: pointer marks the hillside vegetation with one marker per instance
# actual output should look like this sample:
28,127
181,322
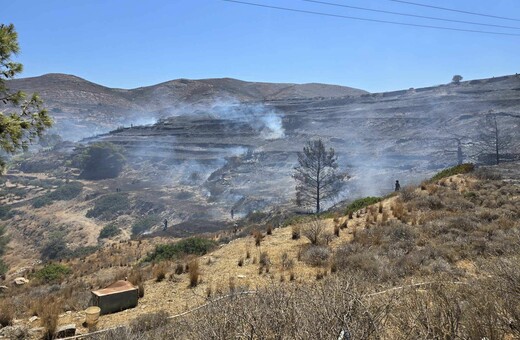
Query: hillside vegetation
436,261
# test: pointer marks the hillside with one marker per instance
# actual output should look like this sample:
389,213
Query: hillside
451,245
82,108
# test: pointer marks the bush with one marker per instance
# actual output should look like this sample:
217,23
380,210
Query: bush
52,272
188,246
316,256
102,160
361,203
6,313
108,231
55,248
109,206
66,192
458,169
62,193
144,224
147,322
41,201
5,213
194,273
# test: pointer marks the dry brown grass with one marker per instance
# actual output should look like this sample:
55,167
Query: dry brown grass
194,273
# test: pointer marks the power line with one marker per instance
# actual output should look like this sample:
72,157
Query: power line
367,19
455,10
409,15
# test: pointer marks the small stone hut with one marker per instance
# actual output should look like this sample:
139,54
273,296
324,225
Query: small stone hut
119,296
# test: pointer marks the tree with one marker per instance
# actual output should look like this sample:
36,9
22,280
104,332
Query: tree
493,139
22,118
316,175
456,79
102,160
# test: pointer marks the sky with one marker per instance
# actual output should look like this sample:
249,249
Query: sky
130,43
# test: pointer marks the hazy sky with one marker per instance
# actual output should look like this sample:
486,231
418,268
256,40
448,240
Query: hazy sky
129,44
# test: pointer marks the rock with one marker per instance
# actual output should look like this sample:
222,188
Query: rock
33,318
2,288
66,331
20,281
14,332
241,276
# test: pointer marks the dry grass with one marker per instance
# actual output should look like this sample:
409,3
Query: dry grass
194,273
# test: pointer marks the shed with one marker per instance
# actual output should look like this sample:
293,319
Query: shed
119,296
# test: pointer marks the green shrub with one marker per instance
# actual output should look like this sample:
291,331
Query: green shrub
55,248
3,267
362,203
5,213
108,231
52,272
109,206
102,160
41,201
81,252
192,245
144,224
66,192
455,170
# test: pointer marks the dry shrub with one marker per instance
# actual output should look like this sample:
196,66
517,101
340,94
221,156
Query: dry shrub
316,256
314,230
336,230
269,230
159,271
241,262
264,261
48,313
258,237
398,209
136,276
380,207
179,268
147,322
194,273
287,263
6,313
296,232
140,290
407,194
384,217
344,225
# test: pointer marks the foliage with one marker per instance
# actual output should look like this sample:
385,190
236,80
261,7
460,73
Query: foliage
109,230
55,248
361,203
62,193
109,206
456,79
144,224
192,245
5,212
316,175
102,160
66,192
28,119
52,272
455,170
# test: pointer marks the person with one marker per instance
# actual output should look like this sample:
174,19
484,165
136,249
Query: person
165,224
397,185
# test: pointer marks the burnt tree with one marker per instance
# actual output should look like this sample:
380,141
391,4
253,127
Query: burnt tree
316,175
494,139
